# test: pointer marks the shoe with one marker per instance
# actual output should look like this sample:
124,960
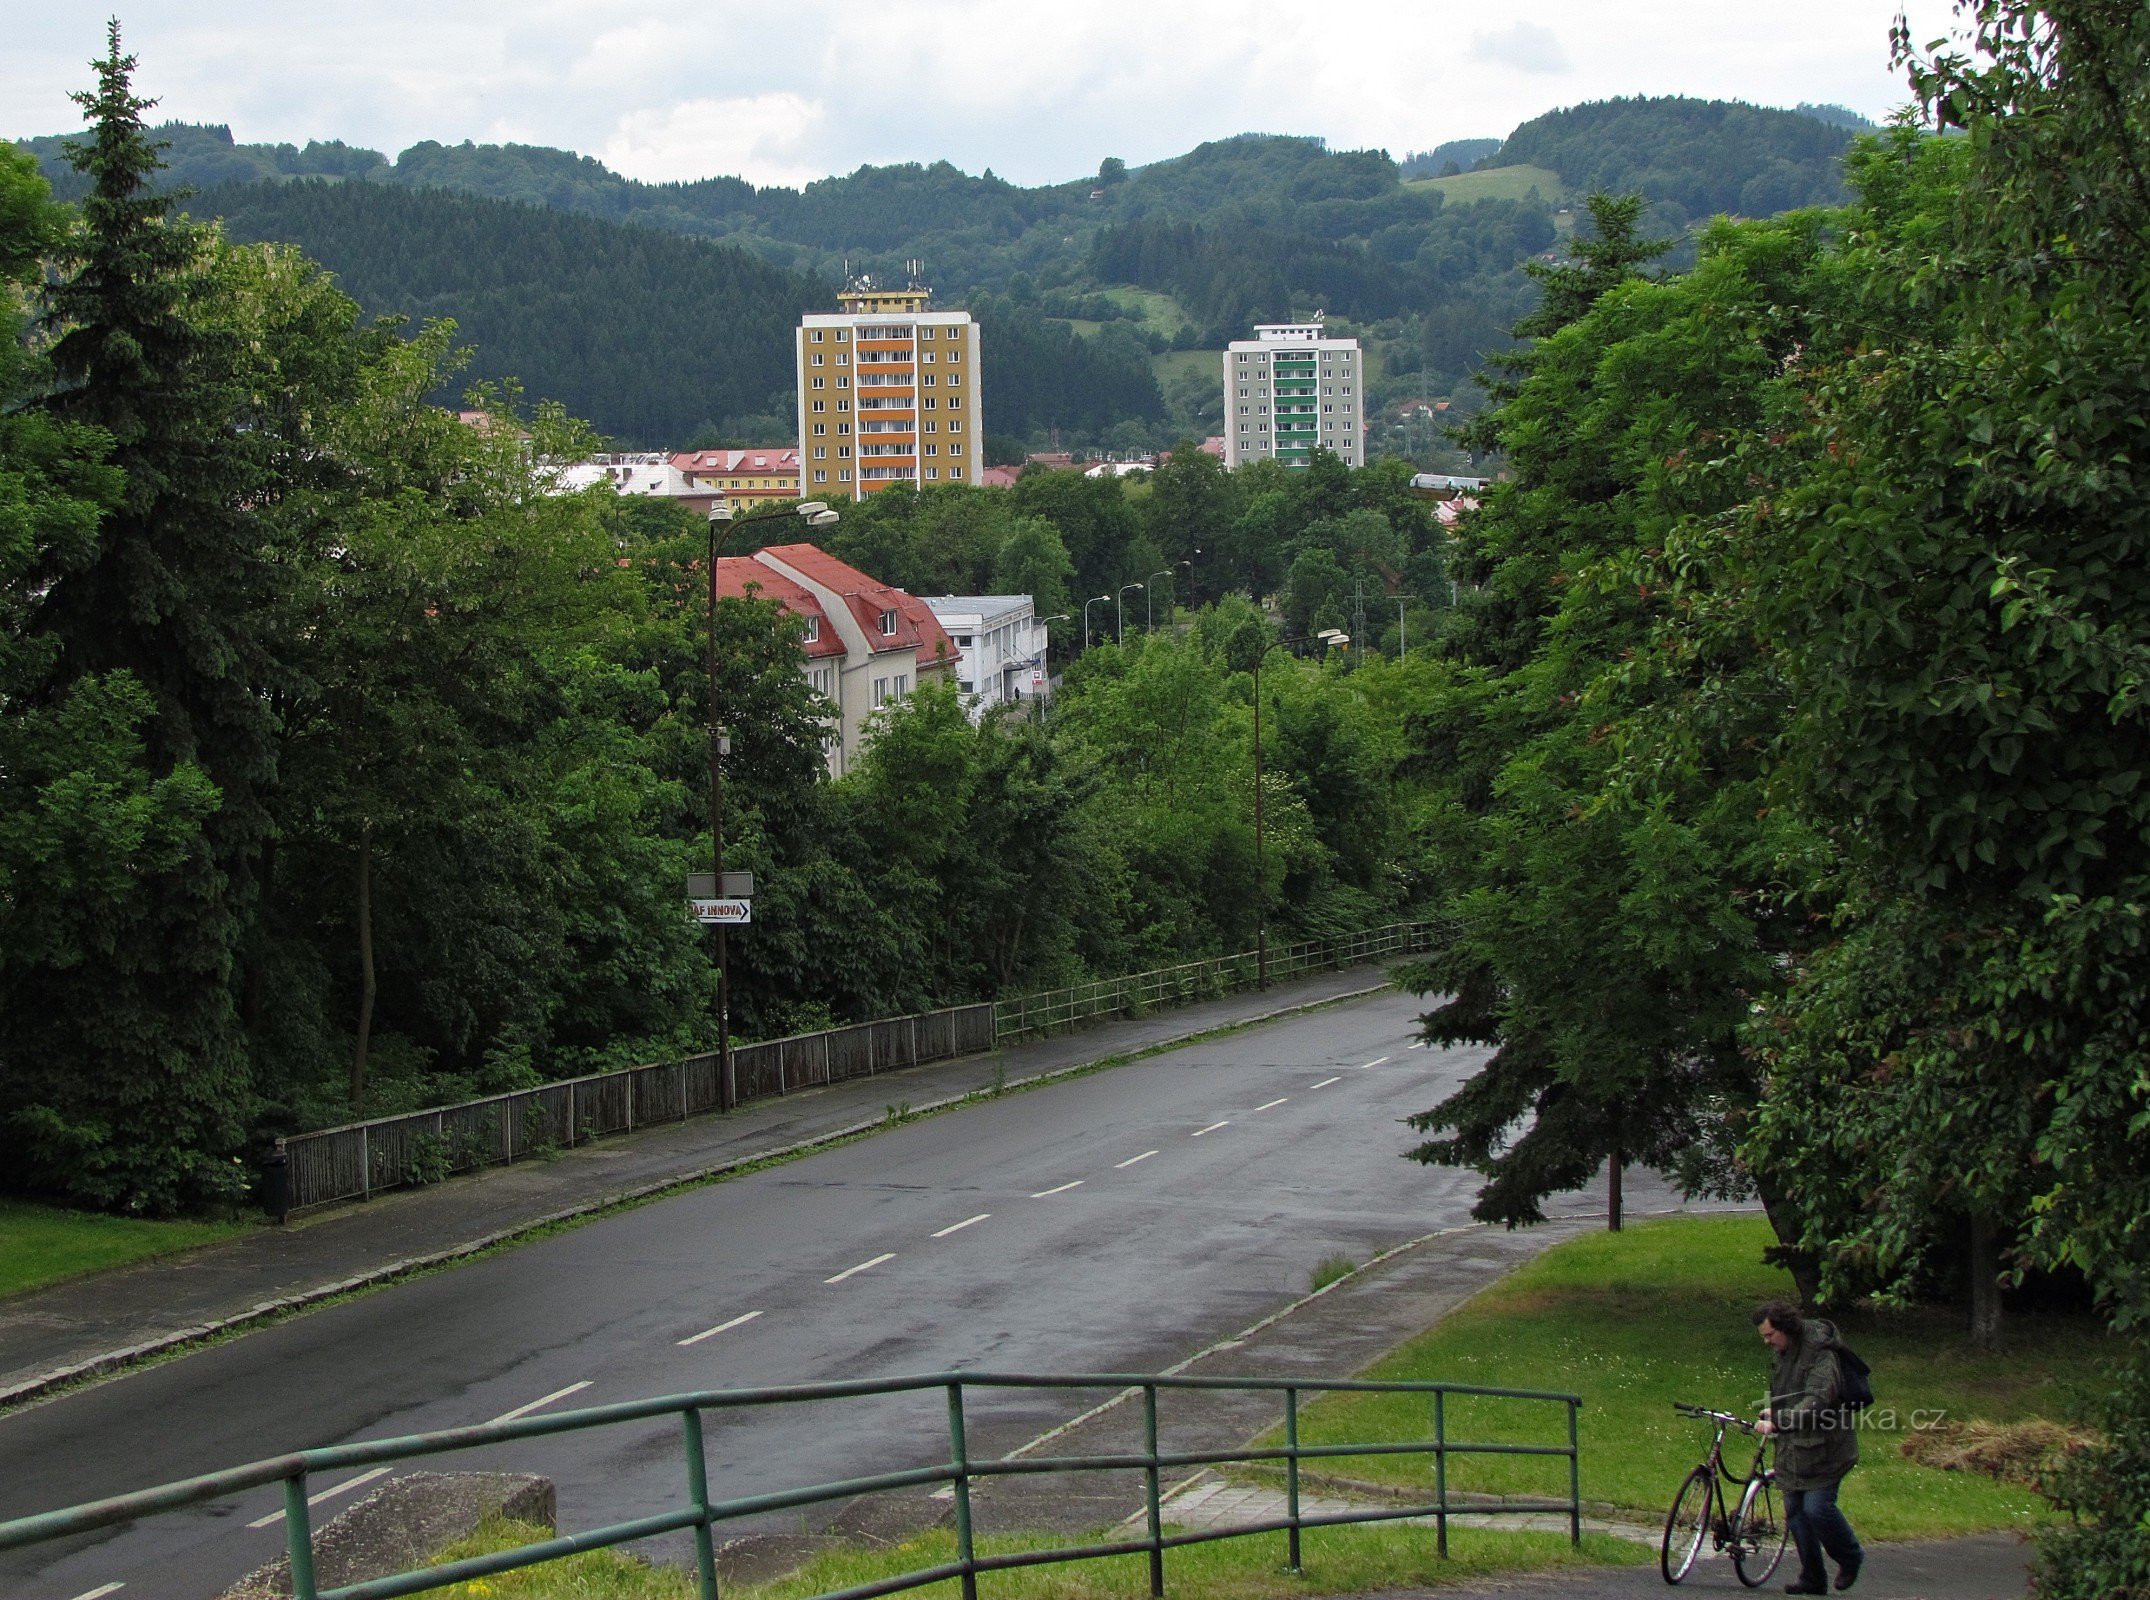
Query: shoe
1847,1572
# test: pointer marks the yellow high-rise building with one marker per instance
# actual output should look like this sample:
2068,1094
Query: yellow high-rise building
888,393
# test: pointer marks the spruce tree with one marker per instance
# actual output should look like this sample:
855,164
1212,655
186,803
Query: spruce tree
128,1074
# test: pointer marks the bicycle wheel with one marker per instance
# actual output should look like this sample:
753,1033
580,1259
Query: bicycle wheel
1758,1533
1687,1525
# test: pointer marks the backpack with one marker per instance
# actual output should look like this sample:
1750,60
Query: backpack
1855,1389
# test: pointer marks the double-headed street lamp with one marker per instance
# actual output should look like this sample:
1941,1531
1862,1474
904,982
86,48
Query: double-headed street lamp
722,525
1328,638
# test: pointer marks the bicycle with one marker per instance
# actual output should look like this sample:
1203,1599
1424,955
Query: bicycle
1753,1533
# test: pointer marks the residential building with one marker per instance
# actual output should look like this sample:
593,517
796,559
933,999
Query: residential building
747,477
1290,388
641,473
1000,477
1000,646
868,644
888,393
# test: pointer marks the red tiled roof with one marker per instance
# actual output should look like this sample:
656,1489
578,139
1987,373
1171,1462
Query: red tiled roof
916,626
1000,477
767,459
736,575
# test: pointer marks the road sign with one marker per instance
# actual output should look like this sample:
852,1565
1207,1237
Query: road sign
703,886
724,913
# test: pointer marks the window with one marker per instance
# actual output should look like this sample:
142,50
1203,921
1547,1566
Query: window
955,449
843,474
821,452
954,378
821,405
817,358
840,336
843,427
1243,427
955,402
1242,354
816,337
843,405
933,472
880,691
955,426
929,380
843,383
813,630
888,624
821,427
953,355
820,476
931,402
819,380
843,450
933,449
1243,410
927,358
929,425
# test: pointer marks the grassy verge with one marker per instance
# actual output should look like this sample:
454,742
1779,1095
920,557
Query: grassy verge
1637,1320
41,1245
1333,1561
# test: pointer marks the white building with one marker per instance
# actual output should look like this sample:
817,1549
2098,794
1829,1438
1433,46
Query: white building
1000,648
1289,389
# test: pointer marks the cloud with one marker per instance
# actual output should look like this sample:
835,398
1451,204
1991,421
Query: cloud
762,138
1524,46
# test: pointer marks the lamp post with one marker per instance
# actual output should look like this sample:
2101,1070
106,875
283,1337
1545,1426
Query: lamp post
722,525
1328,636
1119,606
1086,605
1149,622
1402,650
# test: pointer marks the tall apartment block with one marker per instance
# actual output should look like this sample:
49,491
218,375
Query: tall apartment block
1290,388
888,393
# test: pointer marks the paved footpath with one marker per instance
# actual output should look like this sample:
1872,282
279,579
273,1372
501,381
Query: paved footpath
110,1320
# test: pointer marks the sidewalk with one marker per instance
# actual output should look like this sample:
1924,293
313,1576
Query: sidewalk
101,1323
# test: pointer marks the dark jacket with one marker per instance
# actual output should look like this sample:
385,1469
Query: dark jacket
1817,1440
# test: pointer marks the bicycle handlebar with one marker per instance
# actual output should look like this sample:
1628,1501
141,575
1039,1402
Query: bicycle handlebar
1725,1417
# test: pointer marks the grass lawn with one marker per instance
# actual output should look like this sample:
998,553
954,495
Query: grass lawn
1634,1321
1160,312
1209,363
41,1245
1495,183
1332,1560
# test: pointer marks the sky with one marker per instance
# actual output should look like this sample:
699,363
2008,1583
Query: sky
794,90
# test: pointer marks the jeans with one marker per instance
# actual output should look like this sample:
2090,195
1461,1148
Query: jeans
1816,1526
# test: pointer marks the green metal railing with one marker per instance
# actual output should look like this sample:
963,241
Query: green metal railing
701,1513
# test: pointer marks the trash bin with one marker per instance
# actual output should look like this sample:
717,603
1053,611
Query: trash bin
276,1182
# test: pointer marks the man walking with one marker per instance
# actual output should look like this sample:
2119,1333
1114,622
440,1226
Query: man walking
1817,1443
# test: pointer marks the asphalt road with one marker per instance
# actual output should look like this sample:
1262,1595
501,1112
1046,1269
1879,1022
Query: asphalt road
1115,1222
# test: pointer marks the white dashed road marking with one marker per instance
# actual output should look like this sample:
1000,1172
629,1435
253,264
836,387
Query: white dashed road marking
1373,1063
312,1500
100,1591
1212,1128
1418,1044
1131,1160
537,1405
960,1226
722,1327
886,1255
1063,1189
1272,1104
1326,1082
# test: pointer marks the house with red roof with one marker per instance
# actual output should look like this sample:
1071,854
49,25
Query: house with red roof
868,643
743,477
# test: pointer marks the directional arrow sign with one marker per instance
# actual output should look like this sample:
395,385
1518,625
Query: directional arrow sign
727,913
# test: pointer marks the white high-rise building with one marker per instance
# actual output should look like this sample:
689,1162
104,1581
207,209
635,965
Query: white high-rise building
1292,387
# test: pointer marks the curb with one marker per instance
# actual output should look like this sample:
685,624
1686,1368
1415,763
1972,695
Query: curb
108,1362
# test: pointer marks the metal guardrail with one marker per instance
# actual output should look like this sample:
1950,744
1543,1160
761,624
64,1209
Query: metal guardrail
357,1160
1199,980
701,1513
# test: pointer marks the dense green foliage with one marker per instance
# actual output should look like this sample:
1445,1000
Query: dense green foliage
1793,717
1699,157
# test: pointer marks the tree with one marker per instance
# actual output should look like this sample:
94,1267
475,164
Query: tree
1033,561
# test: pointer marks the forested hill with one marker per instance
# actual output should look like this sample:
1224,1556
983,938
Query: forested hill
656,339
560,270
1701,156
638,331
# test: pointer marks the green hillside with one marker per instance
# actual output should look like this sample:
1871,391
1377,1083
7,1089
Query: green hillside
1493,183
624,310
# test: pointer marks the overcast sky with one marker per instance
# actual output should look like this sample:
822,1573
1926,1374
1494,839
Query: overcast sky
793,90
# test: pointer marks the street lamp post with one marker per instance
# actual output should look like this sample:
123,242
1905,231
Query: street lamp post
1119,605
1086,605
722,525
1149,622
1402,650
1327,637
